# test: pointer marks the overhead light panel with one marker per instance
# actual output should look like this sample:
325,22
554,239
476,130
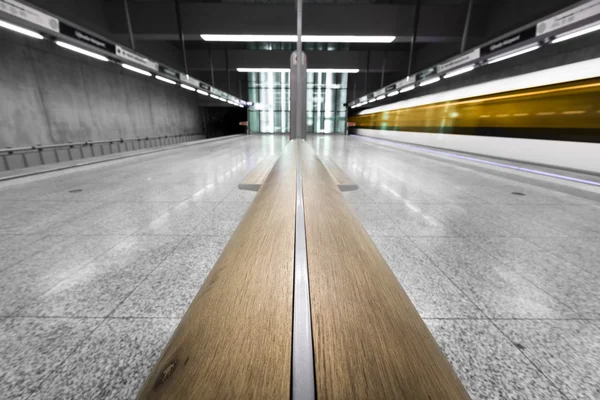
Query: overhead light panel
372,100
392,94
309,70
577,32
214,97
515,53
460,71
407,88
81,51
429,81
138,70
294,38
202,92
333,70
20,30
163,79
381,97
186,87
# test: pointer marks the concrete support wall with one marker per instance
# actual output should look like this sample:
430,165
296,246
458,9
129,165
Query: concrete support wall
51,95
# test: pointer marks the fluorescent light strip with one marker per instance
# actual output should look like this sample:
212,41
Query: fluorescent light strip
429,81
460,71
381,97
186,87
407,88
293,38
202,92
512,54
565,73
479,160
309,70
160,78
18,29
575,33
138,70
392,94
81,51
372,100
214,97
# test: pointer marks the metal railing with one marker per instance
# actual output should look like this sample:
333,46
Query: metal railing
29,156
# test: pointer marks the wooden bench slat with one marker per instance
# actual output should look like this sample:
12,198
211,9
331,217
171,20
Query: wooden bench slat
343,182
234,341
259,174
369,340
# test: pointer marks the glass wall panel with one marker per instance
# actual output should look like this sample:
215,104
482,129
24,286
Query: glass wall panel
270,92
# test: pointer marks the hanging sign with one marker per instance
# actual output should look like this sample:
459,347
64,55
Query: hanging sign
569,17
135,58
29,14
86,38
458,61
518,37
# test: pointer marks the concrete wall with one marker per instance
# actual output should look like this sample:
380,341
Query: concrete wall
51,95
570,155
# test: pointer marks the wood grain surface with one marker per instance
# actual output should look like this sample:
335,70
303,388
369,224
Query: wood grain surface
369,340
234,341
258,175
343,182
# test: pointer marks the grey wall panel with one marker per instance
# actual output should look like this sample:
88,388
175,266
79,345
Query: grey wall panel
50,95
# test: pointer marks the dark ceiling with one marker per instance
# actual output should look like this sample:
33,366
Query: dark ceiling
440,29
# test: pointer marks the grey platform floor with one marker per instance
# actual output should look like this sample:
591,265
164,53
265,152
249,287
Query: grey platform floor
99,263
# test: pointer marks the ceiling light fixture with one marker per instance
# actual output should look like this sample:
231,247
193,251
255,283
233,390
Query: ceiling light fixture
392,94
309,70
514,53
214,97
186,87
81,51
202,92
577,32
381,97
18,29
161,78
372,100
407,88
138,70
429,81
460,71
293,38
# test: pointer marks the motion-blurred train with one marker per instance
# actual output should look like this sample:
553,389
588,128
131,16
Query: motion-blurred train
569,110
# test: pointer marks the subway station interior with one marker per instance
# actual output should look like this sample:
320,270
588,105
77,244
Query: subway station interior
300,199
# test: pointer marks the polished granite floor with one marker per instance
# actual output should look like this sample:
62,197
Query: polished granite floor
99,264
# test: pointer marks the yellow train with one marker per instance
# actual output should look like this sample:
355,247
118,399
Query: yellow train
567,111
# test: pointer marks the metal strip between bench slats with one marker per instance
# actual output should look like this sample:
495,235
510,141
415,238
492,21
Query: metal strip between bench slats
303,367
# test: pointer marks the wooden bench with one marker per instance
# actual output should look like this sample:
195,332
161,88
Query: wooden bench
369,342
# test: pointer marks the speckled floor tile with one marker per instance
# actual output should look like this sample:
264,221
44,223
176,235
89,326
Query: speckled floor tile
178,220
492,285
581,252
415,222
567,352
16,248
572,286
357,196
385,227
112,363
488,364
32,348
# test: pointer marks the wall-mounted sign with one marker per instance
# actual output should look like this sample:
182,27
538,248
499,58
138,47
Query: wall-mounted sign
168,71
189,80
379,92
204,87
29,14
426,73
458,61
521,36
390,88
135,58
569,17
86,38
